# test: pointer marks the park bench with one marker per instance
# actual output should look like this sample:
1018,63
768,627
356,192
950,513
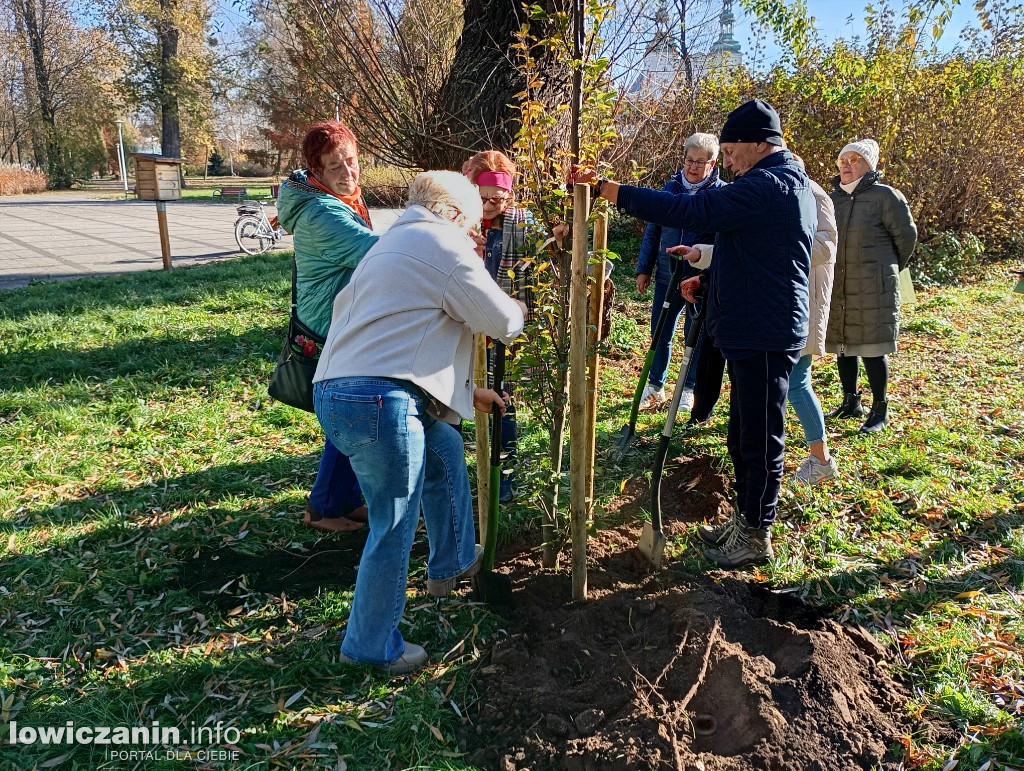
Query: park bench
231,191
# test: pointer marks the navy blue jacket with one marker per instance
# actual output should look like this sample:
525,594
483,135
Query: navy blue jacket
765,223
658,238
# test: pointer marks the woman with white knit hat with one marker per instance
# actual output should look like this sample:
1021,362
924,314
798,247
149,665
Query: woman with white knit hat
876,240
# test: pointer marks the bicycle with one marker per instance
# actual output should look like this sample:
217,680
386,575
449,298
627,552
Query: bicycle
255,233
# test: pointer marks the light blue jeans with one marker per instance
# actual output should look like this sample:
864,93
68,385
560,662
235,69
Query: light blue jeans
663,350
805,403
403,458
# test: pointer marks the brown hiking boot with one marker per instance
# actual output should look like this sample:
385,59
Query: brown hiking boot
714,535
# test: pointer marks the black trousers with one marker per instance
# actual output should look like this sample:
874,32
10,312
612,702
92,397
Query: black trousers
757,430
709,373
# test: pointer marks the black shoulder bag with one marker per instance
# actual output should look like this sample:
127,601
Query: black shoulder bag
292,381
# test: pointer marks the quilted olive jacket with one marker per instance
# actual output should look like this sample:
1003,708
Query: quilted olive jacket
876,240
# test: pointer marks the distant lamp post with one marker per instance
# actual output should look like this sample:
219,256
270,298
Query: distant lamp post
120,157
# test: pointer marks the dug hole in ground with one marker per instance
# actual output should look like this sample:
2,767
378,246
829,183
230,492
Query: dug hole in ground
678,671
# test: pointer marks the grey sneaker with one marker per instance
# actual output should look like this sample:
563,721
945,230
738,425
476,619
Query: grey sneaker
714,535
812,471
744,546
414,658
442,587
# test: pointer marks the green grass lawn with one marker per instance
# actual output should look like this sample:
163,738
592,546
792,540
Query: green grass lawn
136,435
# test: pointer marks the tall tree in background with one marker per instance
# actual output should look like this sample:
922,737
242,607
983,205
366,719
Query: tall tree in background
55,70
167,62
424,83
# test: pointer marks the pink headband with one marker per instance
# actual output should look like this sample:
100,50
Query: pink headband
500,179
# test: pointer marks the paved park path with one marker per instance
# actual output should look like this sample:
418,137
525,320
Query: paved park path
62,235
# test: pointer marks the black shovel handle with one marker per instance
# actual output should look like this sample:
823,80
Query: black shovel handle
499,388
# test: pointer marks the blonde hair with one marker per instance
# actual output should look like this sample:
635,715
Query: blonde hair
445,192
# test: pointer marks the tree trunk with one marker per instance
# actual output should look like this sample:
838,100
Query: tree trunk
550,532
167,35
550,528
476,107
33,30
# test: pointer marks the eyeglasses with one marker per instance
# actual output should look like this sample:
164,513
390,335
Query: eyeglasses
849,160
695,162
495,200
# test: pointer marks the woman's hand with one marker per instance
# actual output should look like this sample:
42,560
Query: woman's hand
689,288
484,400
480,240
558,232
643,280
688,253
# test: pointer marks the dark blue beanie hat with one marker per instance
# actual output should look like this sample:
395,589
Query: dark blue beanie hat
753,121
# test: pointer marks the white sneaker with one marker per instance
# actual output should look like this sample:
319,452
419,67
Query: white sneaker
812,471
686,400
653,396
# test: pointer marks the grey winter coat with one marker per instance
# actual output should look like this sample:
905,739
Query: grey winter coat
876,240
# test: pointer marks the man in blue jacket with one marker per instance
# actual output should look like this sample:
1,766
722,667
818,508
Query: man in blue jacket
757,305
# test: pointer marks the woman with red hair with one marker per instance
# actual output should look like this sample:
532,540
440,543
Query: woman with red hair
323,206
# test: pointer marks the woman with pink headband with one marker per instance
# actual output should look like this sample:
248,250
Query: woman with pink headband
503,229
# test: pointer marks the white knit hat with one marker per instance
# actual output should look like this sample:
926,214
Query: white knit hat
865,148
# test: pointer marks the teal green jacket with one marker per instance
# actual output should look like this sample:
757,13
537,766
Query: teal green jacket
330,240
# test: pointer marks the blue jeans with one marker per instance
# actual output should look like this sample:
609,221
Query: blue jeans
805,403
336,490
663,348
403,458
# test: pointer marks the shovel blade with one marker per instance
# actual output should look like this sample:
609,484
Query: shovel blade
652,544
623,441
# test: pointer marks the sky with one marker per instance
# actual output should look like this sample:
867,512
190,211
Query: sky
839,18
833,19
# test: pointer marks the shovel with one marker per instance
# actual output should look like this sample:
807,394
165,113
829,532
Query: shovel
652,539
488,586
627,434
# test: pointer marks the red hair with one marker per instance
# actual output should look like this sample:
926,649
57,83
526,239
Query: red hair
325,137
488,160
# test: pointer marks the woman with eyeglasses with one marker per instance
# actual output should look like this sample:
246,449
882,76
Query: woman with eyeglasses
396,370
323,206
503,230
699,172
877,236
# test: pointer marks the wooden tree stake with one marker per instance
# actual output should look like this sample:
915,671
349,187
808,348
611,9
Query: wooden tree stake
578,438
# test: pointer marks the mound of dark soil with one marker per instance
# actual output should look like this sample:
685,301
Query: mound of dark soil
675,671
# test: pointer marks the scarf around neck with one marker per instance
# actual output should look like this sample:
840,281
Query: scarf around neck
692,187
353,200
